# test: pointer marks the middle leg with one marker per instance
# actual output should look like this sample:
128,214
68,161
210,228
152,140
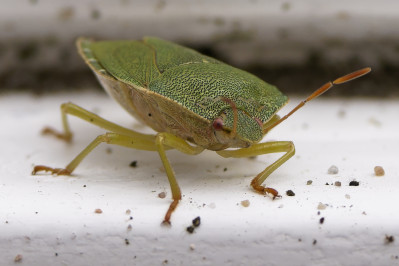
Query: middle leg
170,140
259,149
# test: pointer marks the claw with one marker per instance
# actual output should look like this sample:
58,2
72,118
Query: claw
166,223
266,191
271,192
54,171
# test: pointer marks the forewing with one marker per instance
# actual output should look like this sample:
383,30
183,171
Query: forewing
131,62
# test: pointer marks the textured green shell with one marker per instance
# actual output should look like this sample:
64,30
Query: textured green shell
197,82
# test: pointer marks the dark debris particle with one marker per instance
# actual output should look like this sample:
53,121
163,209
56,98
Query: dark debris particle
225,169
197,222
354,183
309,182
56,254
389,239
290,193
314,241
190,229
321,220
133,164
127,242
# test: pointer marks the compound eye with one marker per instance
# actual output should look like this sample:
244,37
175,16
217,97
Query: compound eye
218,124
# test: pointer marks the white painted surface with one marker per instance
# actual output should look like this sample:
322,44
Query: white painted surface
51,220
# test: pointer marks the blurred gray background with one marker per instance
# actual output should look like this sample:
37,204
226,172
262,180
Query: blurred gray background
296,45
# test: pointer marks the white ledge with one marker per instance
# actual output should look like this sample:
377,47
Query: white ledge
51,220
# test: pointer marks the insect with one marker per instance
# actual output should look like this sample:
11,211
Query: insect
193,101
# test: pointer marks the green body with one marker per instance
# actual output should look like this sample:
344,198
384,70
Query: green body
177,90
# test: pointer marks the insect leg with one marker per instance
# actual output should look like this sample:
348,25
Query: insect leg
75,110
259,149
170,140
136,142
161,142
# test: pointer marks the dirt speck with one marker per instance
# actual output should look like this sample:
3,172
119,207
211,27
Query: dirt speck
379,171
290,193
321,206
245,203
197,221
162,195
333,170
98,211
18,258
190,229
389,239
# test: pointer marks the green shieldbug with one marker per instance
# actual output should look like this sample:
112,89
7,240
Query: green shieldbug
187,98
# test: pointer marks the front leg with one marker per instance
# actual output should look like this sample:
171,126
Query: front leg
161,142
259,149
137,142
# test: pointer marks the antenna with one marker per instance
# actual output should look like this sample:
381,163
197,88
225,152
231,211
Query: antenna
319,92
